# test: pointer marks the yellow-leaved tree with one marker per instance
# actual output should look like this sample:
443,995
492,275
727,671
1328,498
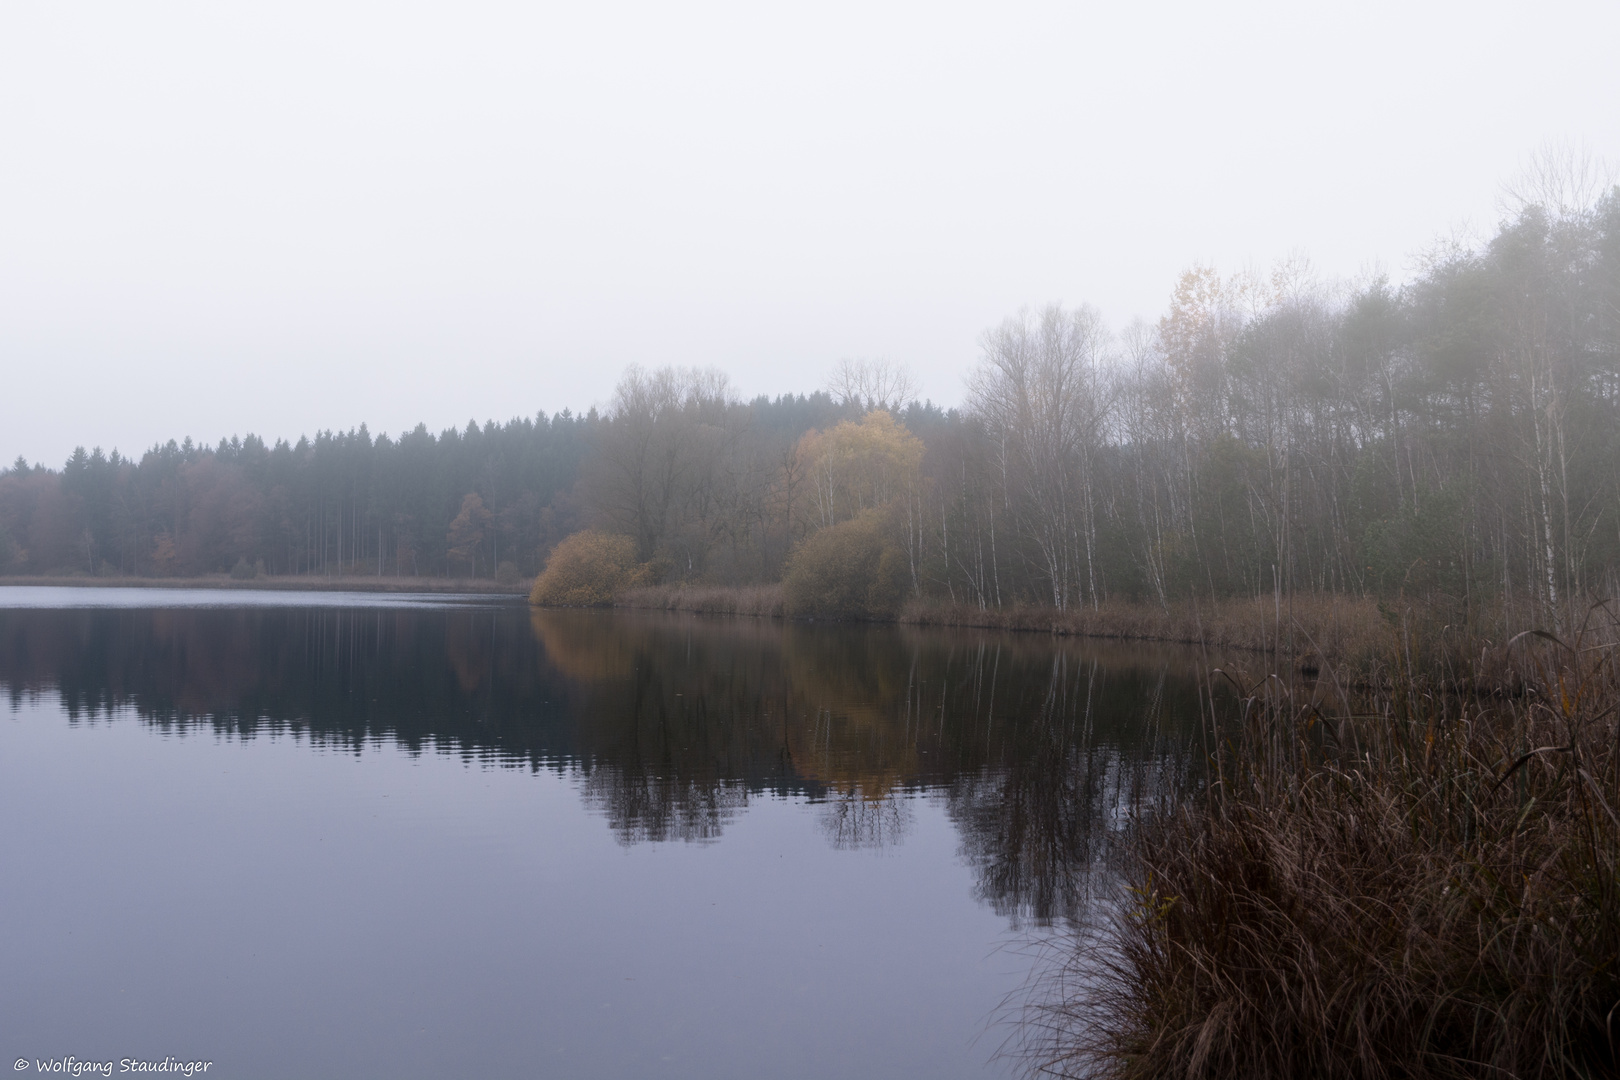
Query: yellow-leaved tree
864,480
855,467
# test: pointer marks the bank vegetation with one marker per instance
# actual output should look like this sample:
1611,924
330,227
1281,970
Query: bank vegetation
1422,881
1277,462
1272,443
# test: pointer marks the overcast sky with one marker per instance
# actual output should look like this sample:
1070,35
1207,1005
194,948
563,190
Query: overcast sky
222,218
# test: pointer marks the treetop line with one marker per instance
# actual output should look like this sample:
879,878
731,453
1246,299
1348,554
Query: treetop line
1457,435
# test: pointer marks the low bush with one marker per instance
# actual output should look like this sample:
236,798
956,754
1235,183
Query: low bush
852,570
588,569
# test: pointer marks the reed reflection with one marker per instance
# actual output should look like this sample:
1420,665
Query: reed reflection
673,724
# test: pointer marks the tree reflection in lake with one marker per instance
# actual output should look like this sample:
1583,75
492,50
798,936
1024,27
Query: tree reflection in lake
673,723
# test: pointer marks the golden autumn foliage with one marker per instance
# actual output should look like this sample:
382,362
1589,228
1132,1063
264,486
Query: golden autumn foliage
856,467
588,569
852,570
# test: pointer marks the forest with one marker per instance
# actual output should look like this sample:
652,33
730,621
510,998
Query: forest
1270,433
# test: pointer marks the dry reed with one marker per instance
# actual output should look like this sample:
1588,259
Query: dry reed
754,600
1305,630
1426,884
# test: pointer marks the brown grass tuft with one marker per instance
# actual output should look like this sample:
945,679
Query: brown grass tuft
1423,885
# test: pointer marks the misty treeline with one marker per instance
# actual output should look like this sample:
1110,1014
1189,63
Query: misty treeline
341,503
1456,435
462,503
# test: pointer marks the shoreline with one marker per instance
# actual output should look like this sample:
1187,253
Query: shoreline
1346,634
1307,632
289,583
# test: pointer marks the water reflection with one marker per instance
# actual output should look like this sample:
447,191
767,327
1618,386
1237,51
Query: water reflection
672,724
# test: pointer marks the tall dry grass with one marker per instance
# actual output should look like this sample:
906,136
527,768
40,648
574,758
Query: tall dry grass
755,600
1415,884
1305,630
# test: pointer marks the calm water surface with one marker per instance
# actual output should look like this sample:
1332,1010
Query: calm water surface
378,836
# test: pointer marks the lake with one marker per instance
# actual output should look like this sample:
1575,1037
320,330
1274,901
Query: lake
370,835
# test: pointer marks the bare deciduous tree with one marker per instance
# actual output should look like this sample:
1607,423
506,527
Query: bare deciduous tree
872,384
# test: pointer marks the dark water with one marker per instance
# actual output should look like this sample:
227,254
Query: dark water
427,837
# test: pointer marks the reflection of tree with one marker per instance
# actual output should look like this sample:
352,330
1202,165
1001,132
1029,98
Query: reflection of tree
1036,746
586,646
673,723
641,807
460,679
1034,829
852,720
470,651
852,821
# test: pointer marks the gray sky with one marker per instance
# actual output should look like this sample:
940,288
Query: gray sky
222,218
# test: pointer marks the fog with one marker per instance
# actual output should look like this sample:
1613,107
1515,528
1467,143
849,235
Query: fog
216,220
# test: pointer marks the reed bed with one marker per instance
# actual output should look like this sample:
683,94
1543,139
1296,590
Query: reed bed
763,601
1303,630
1418,883
1315,632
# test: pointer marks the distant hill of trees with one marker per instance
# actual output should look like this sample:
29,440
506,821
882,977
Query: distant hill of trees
1459,435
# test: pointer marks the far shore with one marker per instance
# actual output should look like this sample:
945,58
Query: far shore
1348,633
300,582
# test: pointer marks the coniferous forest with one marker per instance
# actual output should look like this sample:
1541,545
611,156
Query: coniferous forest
1458,434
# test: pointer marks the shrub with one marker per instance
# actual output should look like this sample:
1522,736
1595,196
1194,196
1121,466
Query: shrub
853,570
588,569
243,571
